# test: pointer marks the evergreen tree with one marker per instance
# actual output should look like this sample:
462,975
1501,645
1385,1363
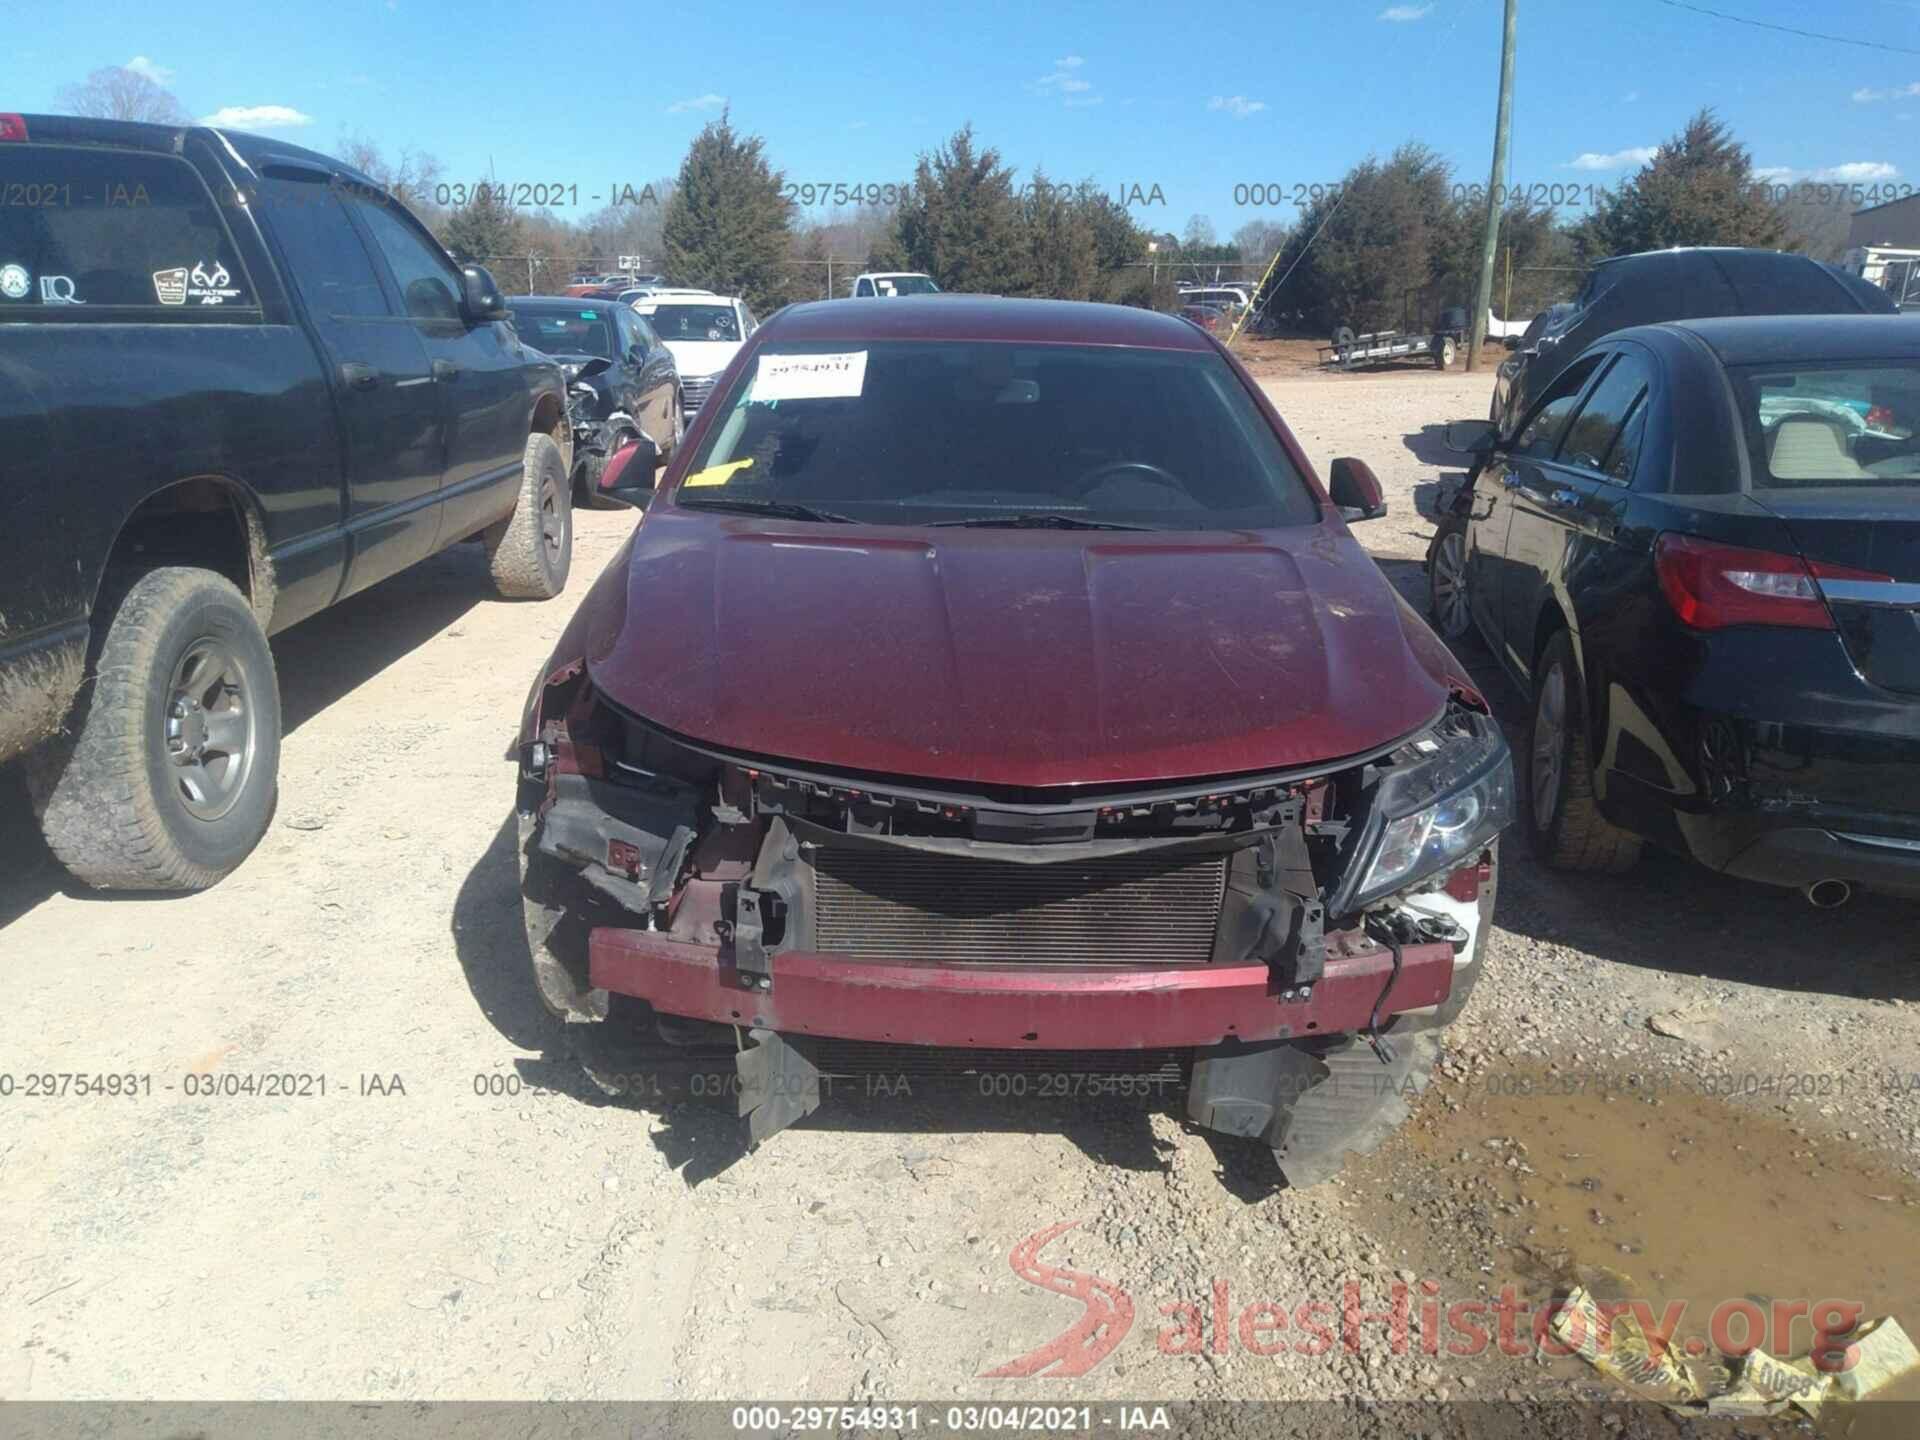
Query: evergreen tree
962,224
484,229
729,226
1697,190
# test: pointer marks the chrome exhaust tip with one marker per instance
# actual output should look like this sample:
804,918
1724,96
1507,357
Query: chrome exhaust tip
1828,894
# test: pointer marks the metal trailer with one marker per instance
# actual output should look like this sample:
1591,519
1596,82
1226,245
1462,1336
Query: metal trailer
1441,344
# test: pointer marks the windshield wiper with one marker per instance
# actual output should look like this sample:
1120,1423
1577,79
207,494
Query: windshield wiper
1038,520
780,509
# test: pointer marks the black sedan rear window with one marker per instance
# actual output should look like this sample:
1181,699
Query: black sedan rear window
1825,425
929,432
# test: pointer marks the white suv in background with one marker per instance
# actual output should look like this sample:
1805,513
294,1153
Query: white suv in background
703,332
893,283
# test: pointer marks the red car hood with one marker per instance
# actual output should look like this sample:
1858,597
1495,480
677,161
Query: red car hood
1023,658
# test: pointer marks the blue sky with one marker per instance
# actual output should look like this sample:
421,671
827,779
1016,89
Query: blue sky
1274,92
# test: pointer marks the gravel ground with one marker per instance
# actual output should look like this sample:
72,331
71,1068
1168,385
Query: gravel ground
409,1233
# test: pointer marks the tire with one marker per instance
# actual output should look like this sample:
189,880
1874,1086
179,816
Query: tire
1448,600
1343,337
531,550
1565,828
1443,352
140,794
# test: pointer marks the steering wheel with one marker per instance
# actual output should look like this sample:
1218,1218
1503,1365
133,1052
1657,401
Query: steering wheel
1139,469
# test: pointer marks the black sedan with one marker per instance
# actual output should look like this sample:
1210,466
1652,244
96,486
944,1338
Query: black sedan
633,389
1699,556
1678,284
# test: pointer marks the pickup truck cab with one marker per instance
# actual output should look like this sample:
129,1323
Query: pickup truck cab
238,382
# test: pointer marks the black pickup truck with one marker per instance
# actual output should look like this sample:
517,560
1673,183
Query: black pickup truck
238,382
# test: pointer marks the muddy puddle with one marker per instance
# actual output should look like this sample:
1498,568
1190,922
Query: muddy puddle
1719,1214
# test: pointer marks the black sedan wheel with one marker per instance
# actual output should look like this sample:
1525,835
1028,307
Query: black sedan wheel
1564,825
1447,597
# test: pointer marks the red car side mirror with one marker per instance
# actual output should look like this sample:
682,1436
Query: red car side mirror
628,475
1356,489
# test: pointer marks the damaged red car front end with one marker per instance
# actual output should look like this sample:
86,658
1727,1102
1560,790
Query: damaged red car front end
796,778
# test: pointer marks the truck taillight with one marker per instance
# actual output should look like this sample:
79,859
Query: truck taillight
1711,586
13,127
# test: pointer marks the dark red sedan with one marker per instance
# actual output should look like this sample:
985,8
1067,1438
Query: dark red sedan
997,675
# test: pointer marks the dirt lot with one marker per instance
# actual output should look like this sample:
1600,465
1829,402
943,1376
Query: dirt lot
411,1233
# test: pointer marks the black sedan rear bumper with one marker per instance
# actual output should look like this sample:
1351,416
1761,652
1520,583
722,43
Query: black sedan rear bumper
1804,855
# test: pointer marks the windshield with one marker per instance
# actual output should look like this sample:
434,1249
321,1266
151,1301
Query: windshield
925,432
563,332
1833,424
905,285
694,322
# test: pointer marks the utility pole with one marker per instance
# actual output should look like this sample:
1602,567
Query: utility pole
1503,123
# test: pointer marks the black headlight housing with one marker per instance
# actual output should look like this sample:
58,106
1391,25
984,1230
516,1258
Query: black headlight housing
1429,808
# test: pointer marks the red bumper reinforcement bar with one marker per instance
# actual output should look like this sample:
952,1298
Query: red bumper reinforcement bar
986,1006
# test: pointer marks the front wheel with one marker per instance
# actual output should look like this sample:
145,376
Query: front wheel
1565,828
1447,597
167,778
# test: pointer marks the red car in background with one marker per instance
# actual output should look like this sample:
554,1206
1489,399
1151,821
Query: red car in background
997,675
1210,318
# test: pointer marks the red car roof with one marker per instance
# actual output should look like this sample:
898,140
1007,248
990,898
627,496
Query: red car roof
984,317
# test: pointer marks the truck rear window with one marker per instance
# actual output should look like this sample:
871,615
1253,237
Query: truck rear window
84,229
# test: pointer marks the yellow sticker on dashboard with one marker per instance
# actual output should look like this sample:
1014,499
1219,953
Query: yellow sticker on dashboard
714,474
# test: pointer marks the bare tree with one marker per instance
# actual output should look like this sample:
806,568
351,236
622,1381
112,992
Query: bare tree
117,93
414,178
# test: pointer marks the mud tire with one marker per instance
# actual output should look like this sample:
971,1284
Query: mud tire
106,794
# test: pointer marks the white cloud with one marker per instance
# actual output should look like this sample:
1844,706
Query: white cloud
1853,172
709,101
1238,106
1630,98
1065,81
1633,155
256,117
1869,96
1857,170
141,65
1401,14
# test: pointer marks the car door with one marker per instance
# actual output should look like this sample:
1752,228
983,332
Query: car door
1557,513
391,423
1490,563
478,375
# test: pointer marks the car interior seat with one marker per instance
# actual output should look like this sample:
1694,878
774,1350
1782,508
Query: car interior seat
1811,447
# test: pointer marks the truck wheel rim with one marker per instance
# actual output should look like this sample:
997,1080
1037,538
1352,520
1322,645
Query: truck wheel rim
1450,585
1549,744
209,737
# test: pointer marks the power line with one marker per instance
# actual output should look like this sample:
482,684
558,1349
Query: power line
1789,30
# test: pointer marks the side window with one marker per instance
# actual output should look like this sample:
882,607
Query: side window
747,323
84,228
865,287
429,288
330,266
646,333
1590,437
1626,450
1541,436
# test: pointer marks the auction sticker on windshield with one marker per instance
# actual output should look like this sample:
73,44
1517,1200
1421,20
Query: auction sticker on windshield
810,377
